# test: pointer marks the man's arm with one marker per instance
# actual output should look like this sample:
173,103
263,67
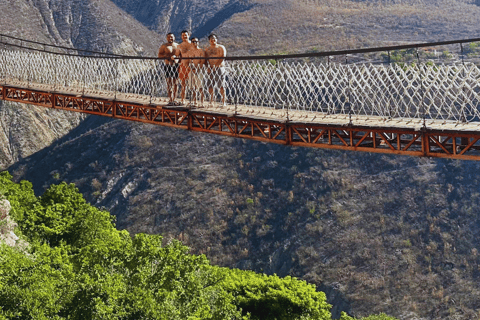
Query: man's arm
178,54
221,52
203,54
224,51
161,51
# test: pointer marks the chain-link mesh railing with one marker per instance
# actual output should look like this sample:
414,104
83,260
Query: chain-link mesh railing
429,89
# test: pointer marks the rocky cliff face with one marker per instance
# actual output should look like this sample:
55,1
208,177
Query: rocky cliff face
201,17
26,129
96,25
7,225
84,24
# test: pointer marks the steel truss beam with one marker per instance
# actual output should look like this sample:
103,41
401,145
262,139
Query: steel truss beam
423,142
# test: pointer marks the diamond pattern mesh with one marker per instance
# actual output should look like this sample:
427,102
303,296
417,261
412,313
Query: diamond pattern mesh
422,90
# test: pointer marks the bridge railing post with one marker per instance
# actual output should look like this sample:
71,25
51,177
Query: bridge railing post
4,64
422,89
463,117
349,92
116,78
390,103
330,105
154,69
235,98
55,73
288,114
84,76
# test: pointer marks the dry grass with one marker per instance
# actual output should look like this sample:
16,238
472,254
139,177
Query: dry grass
291,27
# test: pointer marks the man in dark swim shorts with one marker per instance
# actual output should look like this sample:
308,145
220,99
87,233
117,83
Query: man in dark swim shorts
171,70
171,53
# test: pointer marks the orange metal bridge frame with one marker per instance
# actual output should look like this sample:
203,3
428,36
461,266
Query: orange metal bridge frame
423,142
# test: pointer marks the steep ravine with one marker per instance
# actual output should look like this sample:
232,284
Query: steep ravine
363,227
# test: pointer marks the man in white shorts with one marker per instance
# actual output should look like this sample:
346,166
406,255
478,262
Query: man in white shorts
197,70
216,69
184,70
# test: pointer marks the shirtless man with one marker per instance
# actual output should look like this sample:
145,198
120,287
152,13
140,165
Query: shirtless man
195,80
184,69
216,67
171,53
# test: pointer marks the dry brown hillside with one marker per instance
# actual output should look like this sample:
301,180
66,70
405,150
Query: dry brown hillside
319,25
379,233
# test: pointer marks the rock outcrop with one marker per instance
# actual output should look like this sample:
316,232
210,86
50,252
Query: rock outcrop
7,225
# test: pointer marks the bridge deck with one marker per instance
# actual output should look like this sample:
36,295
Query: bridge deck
255,112
416,137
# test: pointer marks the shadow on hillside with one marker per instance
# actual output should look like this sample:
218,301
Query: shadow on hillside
222,16
29,166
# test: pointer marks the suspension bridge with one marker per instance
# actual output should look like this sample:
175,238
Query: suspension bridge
356,100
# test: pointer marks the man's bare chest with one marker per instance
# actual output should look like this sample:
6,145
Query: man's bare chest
215,52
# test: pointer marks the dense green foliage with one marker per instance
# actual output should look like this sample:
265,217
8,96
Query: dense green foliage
78,266
270,297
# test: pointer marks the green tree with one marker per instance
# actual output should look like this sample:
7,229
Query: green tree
33,286
272,297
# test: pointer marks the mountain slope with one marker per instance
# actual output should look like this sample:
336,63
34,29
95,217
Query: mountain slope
273,26
378,233
86,24
94,25
26,129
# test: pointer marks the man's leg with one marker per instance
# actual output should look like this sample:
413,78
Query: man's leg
176,70
169,89
210,91
175,87
182,74
222,92
182,94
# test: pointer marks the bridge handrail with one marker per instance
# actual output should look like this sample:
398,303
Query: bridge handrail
233,58
49,45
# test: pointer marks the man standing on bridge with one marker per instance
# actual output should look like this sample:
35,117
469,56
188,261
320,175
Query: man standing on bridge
186,46
216,69
171,53
195,79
